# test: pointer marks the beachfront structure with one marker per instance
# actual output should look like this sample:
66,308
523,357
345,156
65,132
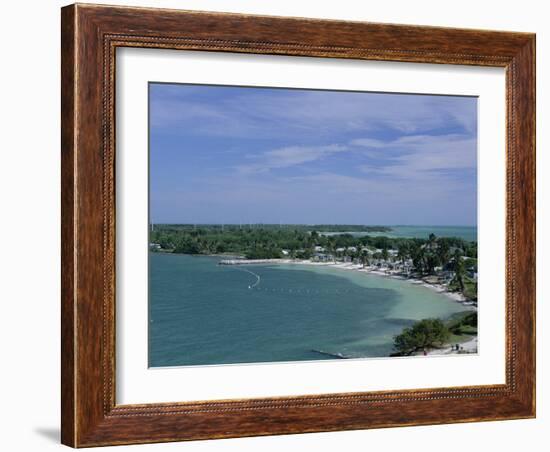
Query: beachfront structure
322,257
452,261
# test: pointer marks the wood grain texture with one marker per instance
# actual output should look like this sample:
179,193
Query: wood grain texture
68,244
90,36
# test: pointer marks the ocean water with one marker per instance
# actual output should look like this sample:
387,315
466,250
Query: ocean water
201,313
464,232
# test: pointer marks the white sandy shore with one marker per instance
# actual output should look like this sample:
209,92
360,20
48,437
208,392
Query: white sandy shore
439,288
465,347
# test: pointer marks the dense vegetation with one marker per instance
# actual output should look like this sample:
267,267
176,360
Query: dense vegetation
449,259
216,239
463,324
432,333
424,334
269,241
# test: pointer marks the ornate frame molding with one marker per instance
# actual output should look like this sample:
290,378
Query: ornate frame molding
90,37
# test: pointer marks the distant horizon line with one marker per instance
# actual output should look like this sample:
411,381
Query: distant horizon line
320,224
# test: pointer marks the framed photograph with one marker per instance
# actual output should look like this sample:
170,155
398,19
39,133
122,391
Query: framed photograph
281,225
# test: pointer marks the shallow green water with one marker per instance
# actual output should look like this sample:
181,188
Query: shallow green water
202,313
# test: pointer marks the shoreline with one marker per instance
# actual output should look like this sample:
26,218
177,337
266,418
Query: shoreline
466,347
439,288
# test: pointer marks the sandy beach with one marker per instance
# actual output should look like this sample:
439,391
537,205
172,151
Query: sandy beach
439,288
465,348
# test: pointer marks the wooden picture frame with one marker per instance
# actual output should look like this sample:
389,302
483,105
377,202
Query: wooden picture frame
90,36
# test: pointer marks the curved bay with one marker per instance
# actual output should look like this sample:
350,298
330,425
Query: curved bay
201,313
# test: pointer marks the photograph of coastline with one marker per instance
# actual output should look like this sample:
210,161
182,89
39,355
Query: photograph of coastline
302,225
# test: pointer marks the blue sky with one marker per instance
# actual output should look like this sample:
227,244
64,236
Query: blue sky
262,155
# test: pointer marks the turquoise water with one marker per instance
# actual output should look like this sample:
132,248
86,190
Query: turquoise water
202,313
464,232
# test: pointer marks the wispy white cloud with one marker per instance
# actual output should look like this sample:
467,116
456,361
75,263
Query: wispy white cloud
289,156
422,157
369,143
312,156
265,112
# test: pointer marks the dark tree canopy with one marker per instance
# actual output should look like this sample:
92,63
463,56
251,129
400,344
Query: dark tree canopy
426,333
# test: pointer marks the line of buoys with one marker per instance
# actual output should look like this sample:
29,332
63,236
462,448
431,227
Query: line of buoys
306,291
252,286
256,284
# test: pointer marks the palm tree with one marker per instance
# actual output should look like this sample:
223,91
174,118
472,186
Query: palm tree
363,256
443,252
432,239
431,262
418,256
459,270
403,252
